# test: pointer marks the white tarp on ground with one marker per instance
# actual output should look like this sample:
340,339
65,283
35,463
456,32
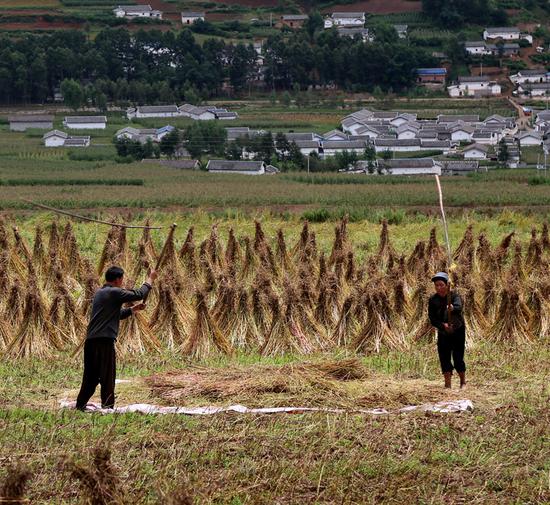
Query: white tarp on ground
144,408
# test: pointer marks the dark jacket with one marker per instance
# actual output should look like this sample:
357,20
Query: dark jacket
438,313
107,309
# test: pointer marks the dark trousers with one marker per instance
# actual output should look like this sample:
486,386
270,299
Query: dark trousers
452,345
99,368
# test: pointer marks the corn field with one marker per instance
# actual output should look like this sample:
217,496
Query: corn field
262,295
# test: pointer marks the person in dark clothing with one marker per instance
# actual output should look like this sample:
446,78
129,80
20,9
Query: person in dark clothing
445,313
99,347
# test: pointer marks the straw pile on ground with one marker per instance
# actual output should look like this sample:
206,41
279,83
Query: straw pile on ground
260,294
309,382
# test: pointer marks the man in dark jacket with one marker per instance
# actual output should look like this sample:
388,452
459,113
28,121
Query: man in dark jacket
99,348
445,312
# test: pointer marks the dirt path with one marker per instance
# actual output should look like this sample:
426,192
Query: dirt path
523,121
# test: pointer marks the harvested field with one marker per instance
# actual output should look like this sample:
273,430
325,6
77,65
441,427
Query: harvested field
29,4
378,7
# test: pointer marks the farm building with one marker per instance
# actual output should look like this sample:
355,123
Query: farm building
22,122
504,33
54,138
460,167
77,142
188,18
85,122
475,86
475,152
347,19
431,75
409,166
142,135
238,167
146,111
136,11
294,21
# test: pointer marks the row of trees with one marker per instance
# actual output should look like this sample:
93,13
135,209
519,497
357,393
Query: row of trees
456,13
154,66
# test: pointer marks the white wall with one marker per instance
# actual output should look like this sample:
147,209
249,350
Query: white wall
474,154
86,126
54,141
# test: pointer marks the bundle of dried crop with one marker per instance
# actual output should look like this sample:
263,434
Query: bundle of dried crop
171,317
511,325
205,338
35,336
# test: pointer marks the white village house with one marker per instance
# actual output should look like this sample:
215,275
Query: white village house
345,19
530,138
530,75
23,122
188,18
85,122
475,152
136,11
54,138
504,33
474,86
477,48
540,89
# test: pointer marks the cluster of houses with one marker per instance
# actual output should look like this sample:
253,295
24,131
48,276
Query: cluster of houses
402,131
133,12
347,24
58,138
186,110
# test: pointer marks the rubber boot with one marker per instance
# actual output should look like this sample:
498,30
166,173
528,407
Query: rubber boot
462,376
447,376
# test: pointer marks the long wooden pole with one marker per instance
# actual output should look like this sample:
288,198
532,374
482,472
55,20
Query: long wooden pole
84,218
448,244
